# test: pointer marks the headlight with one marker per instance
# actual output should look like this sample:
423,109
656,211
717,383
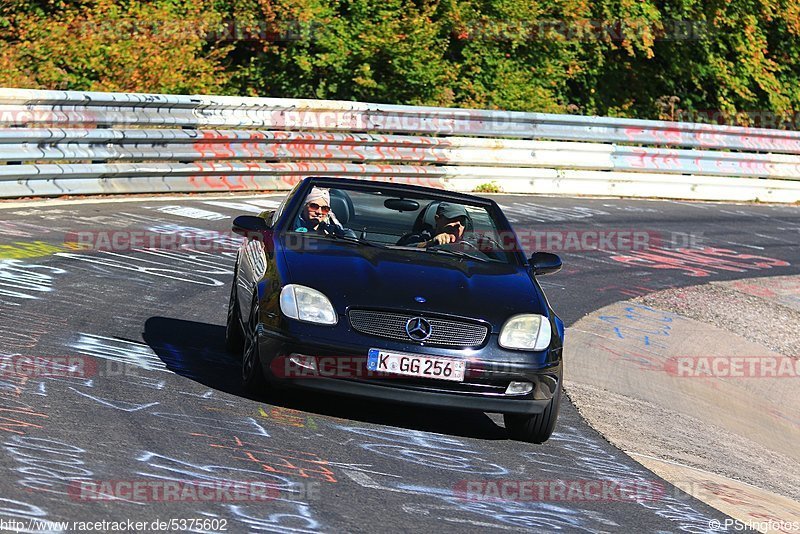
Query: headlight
306,304
528,332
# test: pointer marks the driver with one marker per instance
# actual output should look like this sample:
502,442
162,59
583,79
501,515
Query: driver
450,222
316,215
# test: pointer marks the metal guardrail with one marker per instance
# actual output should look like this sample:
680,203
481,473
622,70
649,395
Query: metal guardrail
56,143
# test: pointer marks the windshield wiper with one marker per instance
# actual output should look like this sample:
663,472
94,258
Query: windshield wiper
455,253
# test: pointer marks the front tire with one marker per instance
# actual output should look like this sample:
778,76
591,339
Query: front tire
234,336
252,374
535,428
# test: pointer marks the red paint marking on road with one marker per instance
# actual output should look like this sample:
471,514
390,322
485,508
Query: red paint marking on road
698,262
283,461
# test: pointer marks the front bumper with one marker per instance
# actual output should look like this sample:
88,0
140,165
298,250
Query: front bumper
483,388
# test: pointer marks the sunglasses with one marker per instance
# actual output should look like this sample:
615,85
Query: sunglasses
316,207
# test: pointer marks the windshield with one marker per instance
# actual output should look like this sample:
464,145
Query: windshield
413,222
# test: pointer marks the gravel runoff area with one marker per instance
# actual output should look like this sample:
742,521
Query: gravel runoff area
766,311
761,309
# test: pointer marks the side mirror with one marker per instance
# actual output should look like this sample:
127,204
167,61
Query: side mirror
545,263
250,226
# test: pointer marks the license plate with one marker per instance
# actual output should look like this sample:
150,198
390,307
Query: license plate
416,365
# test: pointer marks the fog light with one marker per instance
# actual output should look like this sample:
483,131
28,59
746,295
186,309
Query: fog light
306,362
519,388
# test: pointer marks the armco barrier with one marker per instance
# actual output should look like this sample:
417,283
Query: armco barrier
57,143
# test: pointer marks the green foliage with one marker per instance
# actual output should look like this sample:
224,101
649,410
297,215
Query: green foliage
103,45
668,59
741,55
391,51
489,187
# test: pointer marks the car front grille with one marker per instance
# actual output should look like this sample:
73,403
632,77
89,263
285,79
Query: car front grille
444,332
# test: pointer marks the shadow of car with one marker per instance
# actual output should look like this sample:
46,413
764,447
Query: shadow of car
196,350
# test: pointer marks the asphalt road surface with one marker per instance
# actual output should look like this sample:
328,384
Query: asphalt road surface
155,398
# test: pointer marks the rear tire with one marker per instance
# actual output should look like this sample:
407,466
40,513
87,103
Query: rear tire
535,428
234,336
252,374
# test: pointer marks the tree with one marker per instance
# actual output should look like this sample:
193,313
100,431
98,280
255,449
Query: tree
104,45
694,59
391,51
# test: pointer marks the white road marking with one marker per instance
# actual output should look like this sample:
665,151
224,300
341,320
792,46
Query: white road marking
264,203
743,245
192,213
235,206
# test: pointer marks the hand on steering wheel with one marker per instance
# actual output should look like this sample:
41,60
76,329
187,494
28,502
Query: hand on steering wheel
442,239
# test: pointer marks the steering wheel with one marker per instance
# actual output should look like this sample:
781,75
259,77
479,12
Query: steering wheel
463,243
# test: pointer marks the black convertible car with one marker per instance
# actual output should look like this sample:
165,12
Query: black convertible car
400,293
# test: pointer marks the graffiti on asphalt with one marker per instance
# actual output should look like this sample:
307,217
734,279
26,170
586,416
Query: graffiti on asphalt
699,262
25,281
641,324
423,448
195,267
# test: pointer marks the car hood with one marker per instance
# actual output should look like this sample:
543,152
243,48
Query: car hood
359,276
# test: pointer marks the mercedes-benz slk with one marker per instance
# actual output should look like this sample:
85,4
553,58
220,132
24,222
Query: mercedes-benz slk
401,293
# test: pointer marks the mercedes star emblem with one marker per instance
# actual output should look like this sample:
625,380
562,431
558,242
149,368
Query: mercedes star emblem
418,329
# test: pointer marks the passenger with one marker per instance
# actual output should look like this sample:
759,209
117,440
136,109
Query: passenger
451,220
317,216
